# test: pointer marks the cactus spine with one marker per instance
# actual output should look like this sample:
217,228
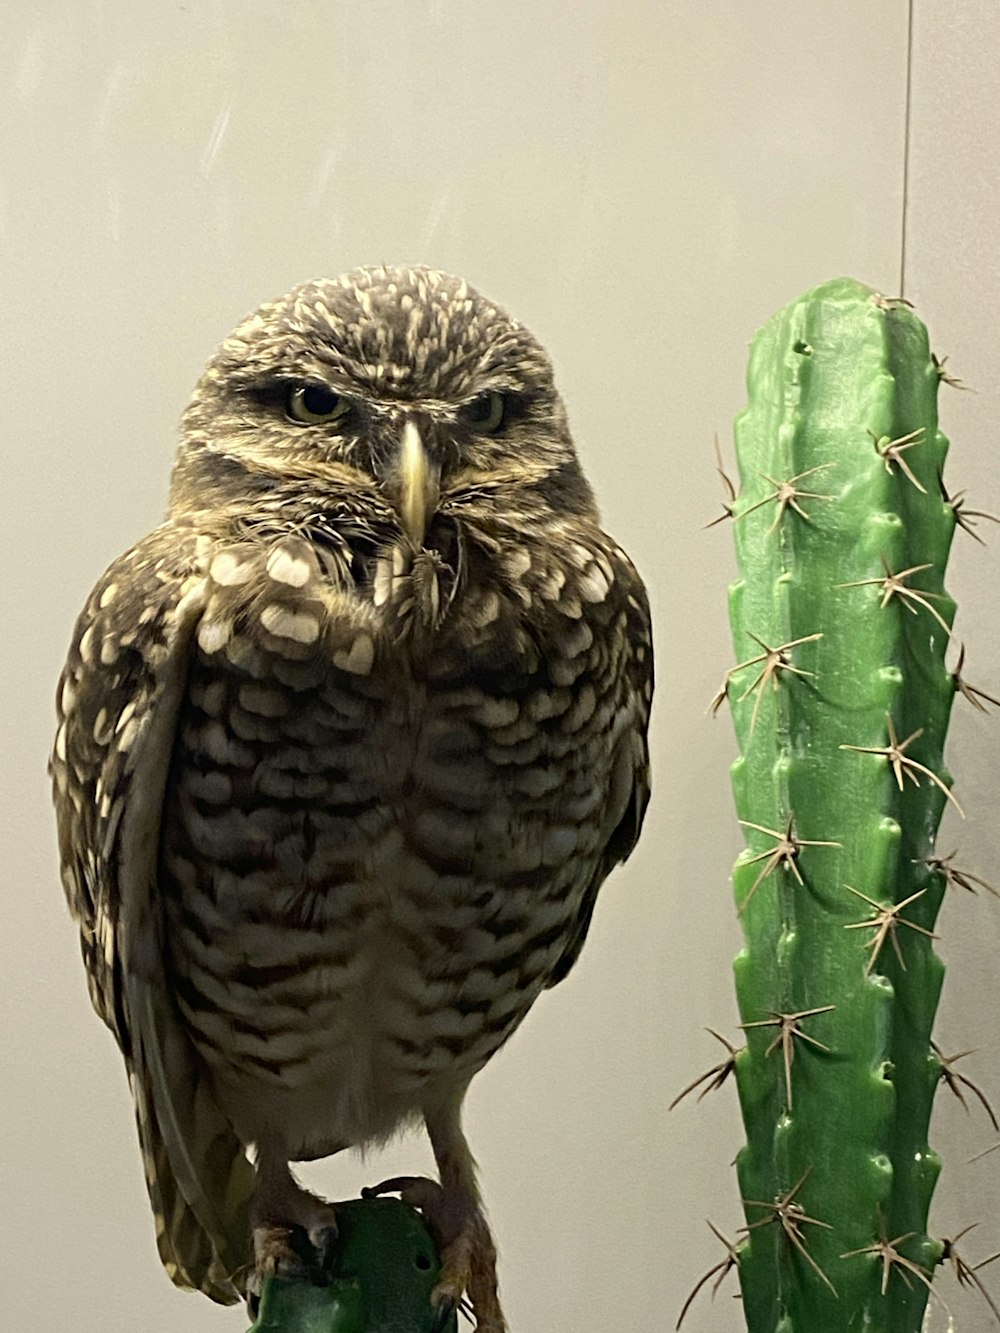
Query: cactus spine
840,614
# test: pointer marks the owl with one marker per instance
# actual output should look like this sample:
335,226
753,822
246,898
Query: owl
346,748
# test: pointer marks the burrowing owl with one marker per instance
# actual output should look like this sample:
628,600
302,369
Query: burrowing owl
346,748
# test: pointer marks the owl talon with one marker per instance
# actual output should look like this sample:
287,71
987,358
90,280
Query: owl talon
444,1310
323,1240
294,1251
253,1296
290,1252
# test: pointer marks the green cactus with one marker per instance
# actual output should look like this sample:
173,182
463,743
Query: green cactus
841,624
385,1269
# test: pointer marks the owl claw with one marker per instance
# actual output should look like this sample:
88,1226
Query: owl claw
323,1240
294,1232
253,1296
290,1252
443,1313
294,1251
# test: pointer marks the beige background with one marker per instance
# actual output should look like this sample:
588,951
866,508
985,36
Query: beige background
643,183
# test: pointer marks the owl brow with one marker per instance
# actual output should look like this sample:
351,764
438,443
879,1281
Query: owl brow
271,391
274,387
517,400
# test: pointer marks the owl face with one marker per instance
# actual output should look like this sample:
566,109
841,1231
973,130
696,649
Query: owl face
401,385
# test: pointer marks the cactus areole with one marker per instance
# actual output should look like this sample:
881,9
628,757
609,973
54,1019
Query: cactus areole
840,623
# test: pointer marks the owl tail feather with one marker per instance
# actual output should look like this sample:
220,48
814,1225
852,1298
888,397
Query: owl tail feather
197,1174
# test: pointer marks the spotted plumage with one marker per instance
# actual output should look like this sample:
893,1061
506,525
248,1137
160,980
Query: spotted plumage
346,748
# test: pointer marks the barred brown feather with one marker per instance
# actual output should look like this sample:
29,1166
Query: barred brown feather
346,748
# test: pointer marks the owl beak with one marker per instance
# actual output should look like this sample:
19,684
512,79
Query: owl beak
418,488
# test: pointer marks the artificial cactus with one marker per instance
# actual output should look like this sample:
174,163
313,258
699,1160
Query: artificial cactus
841,625
385,1268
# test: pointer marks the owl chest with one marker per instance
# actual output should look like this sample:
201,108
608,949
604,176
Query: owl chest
383,812
385,732
370,864
363,885
300,773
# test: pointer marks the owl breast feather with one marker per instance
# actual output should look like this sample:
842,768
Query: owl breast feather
374,850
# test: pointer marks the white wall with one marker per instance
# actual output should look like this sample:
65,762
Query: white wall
643,183
954,278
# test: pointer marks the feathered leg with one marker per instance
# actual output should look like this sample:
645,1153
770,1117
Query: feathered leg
454,1214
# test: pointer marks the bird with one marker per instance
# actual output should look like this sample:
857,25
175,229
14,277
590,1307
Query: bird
346,747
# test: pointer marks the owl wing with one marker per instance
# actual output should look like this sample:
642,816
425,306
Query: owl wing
118,704
625,676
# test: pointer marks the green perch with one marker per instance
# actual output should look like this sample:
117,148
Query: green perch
841,701
386,1268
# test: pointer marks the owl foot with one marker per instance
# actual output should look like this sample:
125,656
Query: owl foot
291,1251
294,1232
468,1255
294,1251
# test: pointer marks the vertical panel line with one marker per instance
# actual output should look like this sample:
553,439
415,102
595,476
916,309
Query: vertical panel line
906,149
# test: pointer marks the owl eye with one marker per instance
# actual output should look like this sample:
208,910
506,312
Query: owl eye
315,404
485,413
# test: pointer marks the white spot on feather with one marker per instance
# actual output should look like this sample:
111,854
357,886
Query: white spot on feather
360,657
593,585
517,563
125,716
229,571
126,735
284,567
193,595
382,582
555,581
87,644
214,634
67,696
284,623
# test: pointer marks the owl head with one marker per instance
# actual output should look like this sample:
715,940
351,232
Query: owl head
400,386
